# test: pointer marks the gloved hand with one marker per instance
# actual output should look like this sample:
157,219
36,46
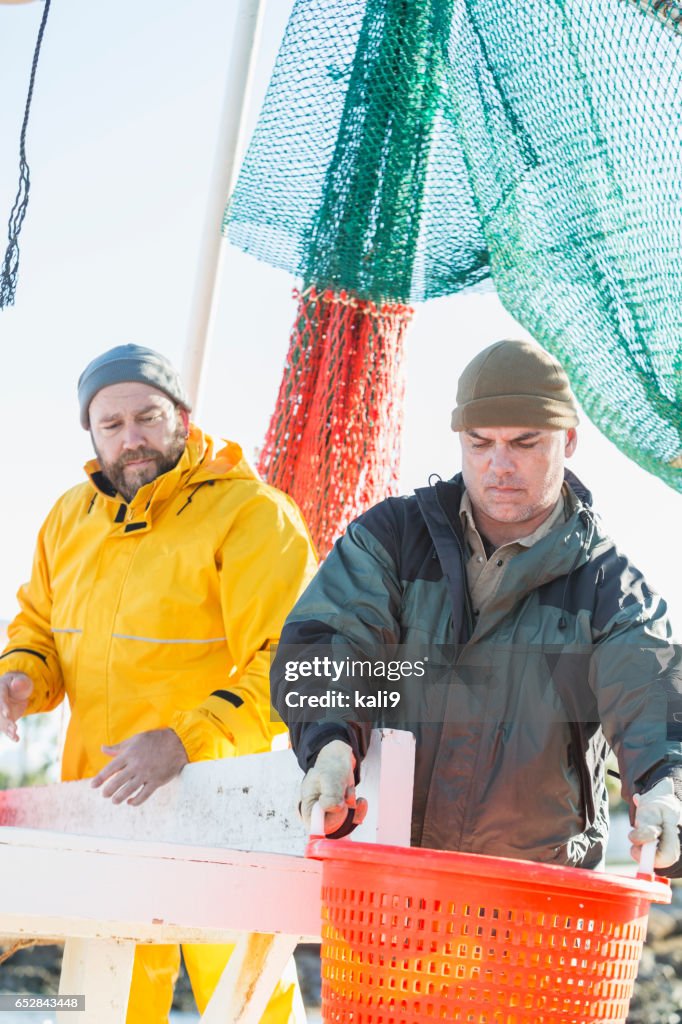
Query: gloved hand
658,815
331,780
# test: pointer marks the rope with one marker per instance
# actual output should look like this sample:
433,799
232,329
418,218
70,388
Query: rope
10,267
21,944
668,12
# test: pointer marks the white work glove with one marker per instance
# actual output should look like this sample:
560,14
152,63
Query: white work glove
658,815
331,780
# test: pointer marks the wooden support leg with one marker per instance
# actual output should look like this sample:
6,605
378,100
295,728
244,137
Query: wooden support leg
249,979
101,970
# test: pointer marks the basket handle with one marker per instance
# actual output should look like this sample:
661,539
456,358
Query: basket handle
317,820
317,824
646,860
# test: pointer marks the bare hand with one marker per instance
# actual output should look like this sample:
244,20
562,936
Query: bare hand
142,763
15,690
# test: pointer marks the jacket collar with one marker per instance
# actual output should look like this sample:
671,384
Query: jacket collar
559,553
195,467
578,487
447,494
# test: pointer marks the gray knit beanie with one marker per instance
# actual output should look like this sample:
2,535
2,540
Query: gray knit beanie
129,363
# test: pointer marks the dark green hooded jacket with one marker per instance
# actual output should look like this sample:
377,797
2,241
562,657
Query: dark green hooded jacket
573,654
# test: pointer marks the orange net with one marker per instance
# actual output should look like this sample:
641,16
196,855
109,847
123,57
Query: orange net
333,442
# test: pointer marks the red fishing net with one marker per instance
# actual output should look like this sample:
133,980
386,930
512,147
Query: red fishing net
333,442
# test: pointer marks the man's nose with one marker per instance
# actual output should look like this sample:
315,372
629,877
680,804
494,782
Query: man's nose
502,460
132,436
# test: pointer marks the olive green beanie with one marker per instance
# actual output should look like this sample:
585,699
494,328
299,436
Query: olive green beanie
514,384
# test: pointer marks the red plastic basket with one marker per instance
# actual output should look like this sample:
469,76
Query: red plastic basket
413,935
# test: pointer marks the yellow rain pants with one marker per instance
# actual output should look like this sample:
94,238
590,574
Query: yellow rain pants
156,969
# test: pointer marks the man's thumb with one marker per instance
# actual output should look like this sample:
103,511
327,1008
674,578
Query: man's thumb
20,687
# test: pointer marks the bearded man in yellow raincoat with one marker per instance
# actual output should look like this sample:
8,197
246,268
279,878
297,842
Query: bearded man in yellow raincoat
158,587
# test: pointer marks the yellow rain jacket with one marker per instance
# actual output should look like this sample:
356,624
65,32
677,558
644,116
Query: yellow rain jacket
162,612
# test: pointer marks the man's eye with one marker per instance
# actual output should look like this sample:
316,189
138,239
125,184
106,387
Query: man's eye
526,444
110,426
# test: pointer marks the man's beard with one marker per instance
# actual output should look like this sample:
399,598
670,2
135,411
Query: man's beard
128,484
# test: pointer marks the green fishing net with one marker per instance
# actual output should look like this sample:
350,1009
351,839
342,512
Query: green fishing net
408,149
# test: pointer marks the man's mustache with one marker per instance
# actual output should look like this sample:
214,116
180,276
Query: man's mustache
141,453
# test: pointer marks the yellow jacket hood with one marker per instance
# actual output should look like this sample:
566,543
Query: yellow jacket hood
197,464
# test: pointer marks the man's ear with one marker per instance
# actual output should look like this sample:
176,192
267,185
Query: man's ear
571,441
184,416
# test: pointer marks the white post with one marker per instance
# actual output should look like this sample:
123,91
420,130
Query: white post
248,25
101,970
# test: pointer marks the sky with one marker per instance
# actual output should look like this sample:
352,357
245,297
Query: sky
120,147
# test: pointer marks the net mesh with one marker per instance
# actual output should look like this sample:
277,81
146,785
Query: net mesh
341,392
408,149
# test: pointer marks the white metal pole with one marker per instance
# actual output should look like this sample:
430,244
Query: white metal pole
247,29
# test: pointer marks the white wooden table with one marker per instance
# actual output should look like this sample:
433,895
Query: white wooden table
215,856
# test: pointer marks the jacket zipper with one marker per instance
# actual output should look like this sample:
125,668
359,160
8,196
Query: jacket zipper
468,610
469,617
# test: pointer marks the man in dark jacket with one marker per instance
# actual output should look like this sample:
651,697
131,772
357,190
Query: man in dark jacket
525,643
